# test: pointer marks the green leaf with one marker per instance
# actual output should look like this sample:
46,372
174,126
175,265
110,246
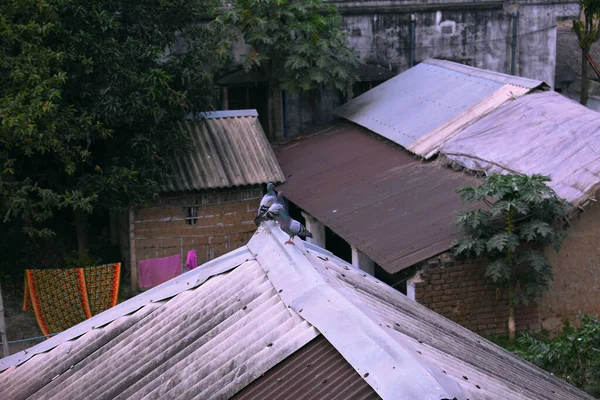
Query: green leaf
503,241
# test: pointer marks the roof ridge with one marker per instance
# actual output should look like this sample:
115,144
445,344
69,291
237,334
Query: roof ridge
306,289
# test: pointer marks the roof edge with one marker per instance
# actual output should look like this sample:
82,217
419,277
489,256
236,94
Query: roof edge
486,74
224,114
184,282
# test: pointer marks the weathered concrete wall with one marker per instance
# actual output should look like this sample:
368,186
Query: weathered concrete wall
476,33
477,36
568,59
576,285
225,221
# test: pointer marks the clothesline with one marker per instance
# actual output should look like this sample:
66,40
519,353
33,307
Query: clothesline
31,339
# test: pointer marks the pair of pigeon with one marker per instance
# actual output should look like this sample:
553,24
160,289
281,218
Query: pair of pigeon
272,208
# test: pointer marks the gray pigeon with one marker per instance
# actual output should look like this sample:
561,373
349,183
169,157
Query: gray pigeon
287,224
267,201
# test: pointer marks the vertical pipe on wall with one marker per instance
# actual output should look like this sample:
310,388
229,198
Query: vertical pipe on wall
513,63
413,23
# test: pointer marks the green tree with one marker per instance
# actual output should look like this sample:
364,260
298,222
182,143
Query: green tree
90,96
298,45
588,32
520,219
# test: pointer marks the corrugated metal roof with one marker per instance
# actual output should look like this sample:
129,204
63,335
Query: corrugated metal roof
213,340
434,93
464,364
209,342
394,208
224,152
316,371
543,133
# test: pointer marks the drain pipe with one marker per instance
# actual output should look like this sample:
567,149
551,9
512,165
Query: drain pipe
513,64
413,23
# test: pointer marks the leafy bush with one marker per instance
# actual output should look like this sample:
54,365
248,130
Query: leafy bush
574,355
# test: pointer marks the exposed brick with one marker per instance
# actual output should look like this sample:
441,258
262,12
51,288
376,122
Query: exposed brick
462,293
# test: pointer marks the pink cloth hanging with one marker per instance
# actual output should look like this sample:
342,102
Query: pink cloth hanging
155,271
192,260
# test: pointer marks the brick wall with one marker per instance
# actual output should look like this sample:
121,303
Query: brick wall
225,221
459,291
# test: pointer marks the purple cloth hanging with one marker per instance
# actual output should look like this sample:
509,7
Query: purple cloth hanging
192,260
155,271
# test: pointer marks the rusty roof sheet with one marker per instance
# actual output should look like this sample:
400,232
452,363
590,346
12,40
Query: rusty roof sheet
543,133
237,317
425,105
316,371
376,196
226,149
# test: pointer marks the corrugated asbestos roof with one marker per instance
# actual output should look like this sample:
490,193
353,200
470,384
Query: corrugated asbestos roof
429,103
376,196
543,133
225,151
266,301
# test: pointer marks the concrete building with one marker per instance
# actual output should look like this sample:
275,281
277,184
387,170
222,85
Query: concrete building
210,203
511,37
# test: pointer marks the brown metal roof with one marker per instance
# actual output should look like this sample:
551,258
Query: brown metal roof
391,206
316,371
226,149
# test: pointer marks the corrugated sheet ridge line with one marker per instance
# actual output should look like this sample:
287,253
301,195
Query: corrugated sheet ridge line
306,290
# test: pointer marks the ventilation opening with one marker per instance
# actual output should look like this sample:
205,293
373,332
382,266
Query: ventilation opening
191,215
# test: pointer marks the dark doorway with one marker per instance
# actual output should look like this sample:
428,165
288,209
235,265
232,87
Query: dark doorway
337,245
251,98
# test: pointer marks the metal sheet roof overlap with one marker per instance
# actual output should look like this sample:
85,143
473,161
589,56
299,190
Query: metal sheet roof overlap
543,133
432,94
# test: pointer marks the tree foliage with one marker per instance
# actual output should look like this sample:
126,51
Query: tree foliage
573,355
588,33
90,96
518,222
299,45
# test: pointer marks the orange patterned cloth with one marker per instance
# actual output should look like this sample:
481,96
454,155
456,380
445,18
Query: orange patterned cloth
102,285
62,298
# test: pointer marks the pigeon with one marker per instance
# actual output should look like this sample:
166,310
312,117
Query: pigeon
267,201
287,224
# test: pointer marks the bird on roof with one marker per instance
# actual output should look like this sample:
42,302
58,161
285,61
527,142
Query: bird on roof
287,224
267,201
